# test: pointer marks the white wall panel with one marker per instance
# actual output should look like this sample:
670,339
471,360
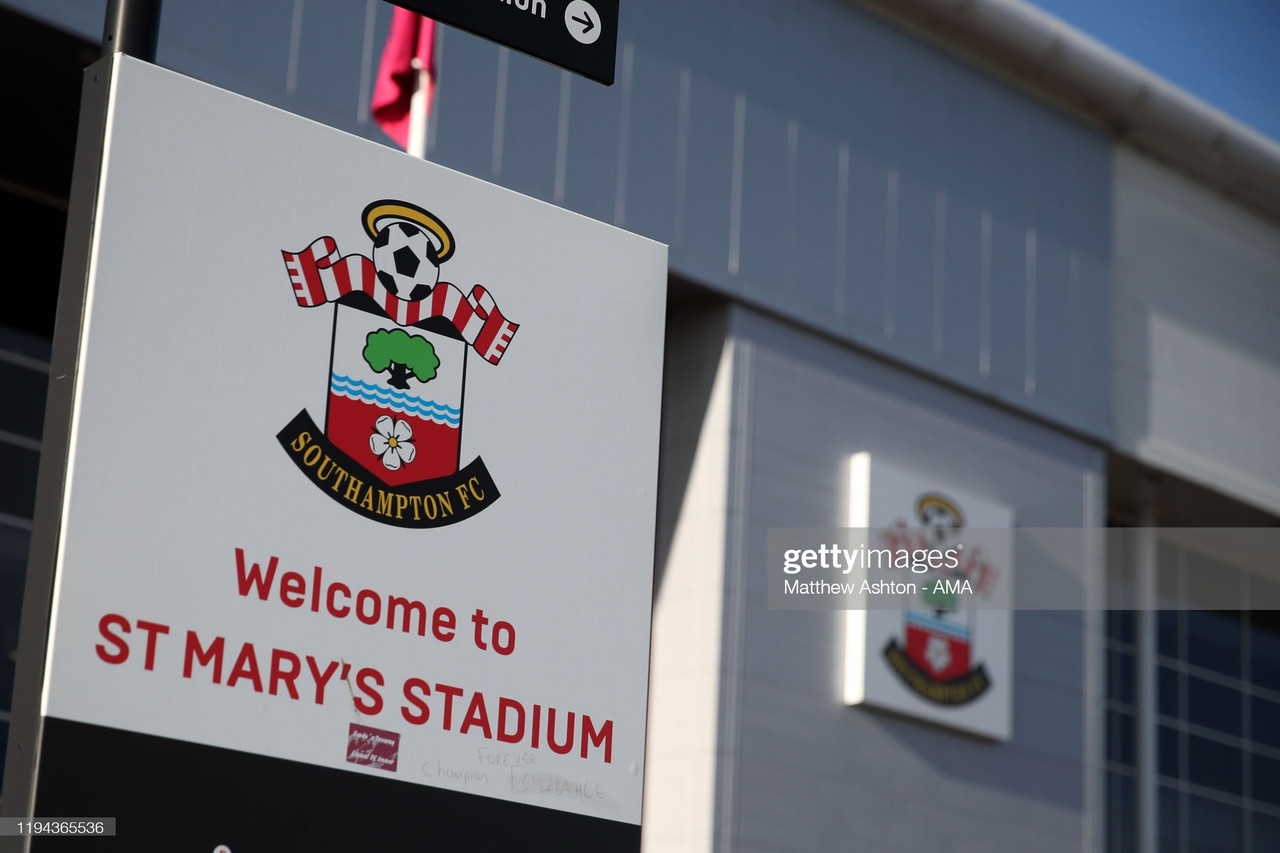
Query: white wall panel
1196,314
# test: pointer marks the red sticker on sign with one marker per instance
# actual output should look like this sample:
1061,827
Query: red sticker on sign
373,747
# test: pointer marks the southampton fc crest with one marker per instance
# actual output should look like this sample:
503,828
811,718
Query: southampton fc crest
392,439
936,657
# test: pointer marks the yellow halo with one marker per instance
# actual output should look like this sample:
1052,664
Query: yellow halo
377,212
942,502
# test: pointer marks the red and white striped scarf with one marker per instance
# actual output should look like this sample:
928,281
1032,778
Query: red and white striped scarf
320,276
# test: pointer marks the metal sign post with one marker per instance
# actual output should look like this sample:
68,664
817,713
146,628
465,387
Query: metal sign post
132,27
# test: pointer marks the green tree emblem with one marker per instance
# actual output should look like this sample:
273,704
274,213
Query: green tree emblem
402,354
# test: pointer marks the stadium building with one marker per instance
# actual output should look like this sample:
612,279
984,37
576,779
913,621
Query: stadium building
963,243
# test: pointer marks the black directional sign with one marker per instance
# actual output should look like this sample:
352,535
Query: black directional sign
578,35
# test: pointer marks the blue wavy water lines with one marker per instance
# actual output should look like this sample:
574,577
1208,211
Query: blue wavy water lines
399,401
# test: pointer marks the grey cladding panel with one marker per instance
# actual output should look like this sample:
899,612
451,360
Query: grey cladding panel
656,170
464,112
586,168
762,234
530,126
330,51
797,153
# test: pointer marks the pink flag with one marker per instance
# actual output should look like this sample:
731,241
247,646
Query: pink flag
409,49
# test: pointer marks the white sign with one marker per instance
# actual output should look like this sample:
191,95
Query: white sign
363,461
948,657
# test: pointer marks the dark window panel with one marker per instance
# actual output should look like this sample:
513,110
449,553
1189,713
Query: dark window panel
1120,625
1215,765
1214,827
1167,685
40,81
1168,820
1264,649
31,245
1170,762
13,569
1167,628
1120,738
1266,833
1265,777
1120,677
23,391
1265,722
1122,833
1213,640
18,466
1214,706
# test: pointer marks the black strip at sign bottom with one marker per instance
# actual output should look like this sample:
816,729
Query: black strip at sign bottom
171,795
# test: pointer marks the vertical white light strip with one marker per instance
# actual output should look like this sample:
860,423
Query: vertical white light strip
366,62
624,135
562,137
855,621
433,125
891,254
939,266
984,299
1029,356
842,226
793,201
735,190
682,155
295,49
500,111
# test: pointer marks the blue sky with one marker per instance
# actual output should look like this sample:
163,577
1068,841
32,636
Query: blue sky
1227,52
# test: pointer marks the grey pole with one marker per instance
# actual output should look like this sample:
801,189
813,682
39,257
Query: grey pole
132,27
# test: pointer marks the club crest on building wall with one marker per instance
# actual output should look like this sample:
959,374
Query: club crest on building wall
391,445
935,655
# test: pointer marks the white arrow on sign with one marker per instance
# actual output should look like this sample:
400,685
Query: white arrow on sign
583,21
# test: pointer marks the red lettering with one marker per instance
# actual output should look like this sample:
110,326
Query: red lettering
328,600
551,733
478,619
504,705
409,610
149,662
321,678
443,623
373,706
254,577
203,656
499,646
450,693
315,590
246,667
477,715
376,616
279,673
596,738
293,589
423,713
122,648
